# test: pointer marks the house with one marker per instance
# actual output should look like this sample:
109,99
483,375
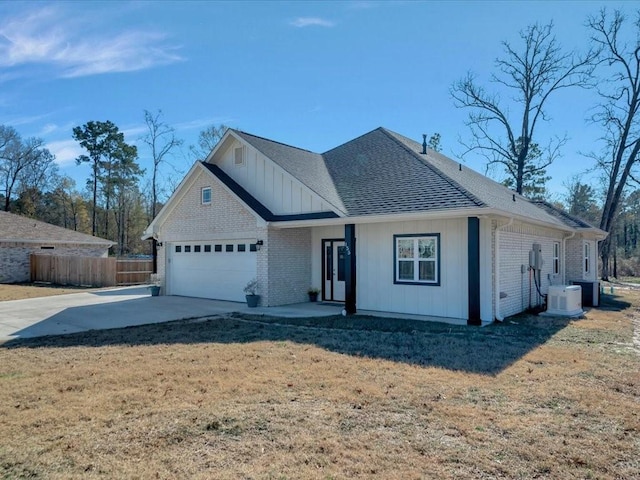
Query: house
380,223
21,236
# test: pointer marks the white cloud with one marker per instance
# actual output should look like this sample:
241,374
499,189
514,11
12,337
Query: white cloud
302,22
66,151
46,36
48,128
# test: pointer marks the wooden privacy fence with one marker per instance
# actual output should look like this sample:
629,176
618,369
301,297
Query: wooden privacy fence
89,271
133,272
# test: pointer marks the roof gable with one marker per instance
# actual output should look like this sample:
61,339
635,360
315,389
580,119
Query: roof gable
16,228
307,167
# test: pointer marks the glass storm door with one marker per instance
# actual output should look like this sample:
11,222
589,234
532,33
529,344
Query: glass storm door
334,270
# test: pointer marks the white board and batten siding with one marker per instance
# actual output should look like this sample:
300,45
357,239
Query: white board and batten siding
269,183
376,289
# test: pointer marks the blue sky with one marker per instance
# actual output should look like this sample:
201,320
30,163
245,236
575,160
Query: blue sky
310,74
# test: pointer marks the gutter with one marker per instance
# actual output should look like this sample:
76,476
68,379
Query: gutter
423,215
498,315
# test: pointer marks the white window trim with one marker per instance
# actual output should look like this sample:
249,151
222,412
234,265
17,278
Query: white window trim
556,258
202,200
416,259
240,163
586,258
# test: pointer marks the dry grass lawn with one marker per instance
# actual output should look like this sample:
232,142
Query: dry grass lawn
19,291
250,398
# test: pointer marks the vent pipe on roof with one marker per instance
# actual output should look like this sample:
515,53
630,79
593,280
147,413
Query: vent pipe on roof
424,143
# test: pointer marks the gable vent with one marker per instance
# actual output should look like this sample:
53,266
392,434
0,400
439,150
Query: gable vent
238,156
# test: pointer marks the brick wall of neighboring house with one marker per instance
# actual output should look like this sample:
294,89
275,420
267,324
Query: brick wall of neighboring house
288,253
224,219
15,263
515,243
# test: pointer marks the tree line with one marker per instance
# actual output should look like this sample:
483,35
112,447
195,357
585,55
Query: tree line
116,205
118,201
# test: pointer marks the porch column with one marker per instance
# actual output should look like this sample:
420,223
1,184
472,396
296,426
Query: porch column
473,233
350,268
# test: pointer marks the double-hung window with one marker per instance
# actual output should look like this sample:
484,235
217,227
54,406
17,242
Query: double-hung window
417,259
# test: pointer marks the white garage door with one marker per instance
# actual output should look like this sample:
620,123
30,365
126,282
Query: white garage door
218,270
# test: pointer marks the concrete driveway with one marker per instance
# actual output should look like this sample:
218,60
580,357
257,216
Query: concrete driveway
123,307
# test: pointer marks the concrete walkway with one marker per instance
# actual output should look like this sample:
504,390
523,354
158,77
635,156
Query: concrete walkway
124,307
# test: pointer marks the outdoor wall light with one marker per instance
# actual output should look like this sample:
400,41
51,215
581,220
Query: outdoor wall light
159,244
259,243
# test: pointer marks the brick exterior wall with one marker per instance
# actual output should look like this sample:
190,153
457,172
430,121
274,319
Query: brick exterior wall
288,254
14,257
283,262
224,219
575,260
515,243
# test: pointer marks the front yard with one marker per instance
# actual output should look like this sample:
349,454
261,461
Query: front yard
333,398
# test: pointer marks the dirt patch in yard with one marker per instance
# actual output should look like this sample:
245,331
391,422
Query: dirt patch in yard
260,398
19,291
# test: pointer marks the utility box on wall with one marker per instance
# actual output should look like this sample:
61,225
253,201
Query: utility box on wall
590,293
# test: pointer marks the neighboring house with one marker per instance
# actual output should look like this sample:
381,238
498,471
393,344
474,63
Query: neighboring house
22,236
381,223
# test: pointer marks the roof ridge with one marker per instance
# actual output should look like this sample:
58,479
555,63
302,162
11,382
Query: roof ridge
273,141
24,220
352,140
417,156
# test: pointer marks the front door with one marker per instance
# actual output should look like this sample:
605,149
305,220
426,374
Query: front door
334,253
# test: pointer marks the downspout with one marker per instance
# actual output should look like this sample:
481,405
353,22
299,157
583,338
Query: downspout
564,257
496,262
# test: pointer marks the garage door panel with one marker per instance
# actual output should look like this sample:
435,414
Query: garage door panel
216,275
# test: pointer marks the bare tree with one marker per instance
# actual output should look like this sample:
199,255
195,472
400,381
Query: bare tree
618,113
207,140
23,163
161,140
531,73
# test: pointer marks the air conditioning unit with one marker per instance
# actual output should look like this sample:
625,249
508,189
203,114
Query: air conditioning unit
564,301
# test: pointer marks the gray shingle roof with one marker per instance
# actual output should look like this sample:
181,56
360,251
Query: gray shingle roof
490,192
383,172
565,217
18,228
375,174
